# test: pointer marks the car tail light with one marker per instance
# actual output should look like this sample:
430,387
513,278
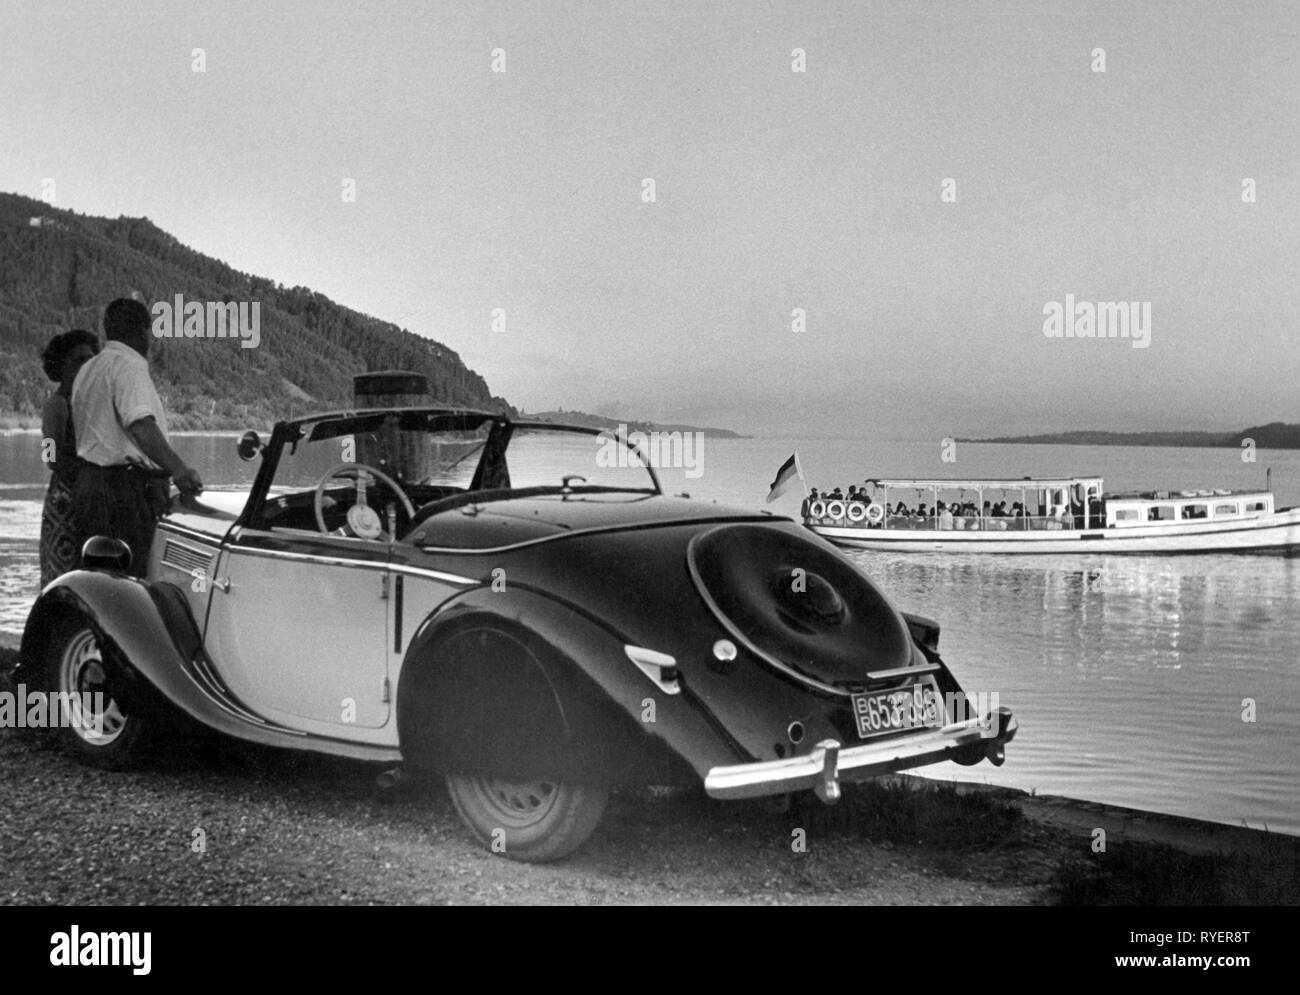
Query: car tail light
659,667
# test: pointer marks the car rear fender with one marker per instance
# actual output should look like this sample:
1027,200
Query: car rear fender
925,633
588,713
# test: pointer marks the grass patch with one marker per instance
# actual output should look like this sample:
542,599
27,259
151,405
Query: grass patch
1155,874
935,815
8,660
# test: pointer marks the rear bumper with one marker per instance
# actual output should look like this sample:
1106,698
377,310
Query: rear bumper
828,764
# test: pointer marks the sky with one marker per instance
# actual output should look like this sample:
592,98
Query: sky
483,195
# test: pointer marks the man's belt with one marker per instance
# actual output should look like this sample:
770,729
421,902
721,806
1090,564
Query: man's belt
130,469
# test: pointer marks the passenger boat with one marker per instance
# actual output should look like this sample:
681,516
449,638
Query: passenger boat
1064,515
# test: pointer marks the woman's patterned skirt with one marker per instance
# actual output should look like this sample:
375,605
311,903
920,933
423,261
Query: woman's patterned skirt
59,552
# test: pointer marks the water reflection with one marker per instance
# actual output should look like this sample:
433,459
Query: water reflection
1128,673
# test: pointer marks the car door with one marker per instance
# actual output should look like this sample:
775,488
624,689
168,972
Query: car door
297,627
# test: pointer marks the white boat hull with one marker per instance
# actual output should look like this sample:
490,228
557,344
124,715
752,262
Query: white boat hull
1275,533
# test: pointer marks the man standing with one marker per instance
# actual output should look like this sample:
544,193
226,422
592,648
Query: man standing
121,430
945,516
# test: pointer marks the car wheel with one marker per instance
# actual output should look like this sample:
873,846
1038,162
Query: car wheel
532,820
91,721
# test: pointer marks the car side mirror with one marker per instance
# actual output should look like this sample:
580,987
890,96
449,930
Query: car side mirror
249,446
105,553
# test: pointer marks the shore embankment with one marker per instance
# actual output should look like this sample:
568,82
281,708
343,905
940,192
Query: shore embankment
214,821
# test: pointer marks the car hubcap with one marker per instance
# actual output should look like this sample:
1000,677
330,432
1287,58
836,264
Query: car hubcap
91,711
519,803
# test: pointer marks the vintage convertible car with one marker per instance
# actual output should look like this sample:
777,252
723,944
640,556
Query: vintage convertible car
516,605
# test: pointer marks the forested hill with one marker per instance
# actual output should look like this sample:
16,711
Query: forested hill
60,273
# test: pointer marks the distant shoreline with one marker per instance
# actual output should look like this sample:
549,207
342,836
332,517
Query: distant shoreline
232,432
631,424
1275,435
12,423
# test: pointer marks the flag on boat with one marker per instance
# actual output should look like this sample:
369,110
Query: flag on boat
790,469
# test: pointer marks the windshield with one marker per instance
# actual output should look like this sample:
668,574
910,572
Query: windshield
406,466
542,456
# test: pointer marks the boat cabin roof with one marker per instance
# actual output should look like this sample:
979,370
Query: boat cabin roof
958,483
1202,495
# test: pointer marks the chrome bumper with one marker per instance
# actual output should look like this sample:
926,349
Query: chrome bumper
829,764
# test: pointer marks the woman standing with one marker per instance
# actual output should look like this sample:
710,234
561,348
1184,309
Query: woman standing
62,358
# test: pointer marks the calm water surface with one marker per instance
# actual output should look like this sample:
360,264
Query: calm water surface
1128,674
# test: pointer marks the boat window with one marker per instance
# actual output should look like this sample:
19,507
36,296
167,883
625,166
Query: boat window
1195,511
1224,510
1127,515
1161,513
1255,506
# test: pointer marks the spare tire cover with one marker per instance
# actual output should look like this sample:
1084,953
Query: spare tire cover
802,606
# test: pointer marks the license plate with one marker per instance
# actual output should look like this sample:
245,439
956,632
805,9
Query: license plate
915,707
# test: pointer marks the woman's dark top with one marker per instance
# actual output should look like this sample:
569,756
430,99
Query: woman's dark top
58,415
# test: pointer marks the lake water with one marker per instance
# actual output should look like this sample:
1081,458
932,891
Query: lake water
1128,674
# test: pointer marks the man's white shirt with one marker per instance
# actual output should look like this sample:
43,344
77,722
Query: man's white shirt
112,392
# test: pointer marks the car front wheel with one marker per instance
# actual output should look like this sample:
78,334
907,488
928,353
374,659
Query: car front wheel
90,720
530,820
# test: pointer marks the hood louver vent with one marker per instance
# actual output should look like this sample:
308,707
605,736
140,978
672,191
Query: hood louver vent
186,558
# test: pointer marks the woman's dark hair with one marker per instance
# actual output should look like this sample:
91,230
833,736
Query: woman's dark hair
57,351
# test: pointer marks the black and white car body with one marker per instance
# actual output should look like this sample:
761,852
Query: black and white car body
492,599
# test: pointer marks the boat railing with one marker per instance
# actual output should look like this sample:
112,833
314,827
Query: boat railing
956,523
974,523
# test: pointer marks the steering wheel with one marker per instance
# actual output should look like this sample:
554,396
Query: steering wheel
363,521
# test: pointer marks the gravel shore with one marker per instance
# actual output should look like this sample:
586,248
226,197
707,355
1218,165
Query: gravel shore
218,822
283,828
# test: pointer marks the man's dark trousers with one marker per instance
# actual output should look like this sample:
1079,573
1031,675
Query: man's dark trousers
124,502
